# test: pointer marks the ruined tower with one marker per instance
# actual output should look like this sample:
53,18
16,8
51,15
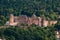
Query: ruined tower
11,20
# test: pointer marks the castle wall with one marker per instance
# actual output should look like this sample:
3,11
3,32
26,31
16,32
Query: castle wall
45,23
53,22
30,20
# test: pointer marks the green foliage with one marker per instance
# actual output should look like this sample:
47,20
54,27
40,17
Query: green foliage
29,7
44,8
2,20
57,26
29,33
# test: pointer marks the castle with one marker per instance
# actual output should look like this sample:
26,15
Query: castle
15,20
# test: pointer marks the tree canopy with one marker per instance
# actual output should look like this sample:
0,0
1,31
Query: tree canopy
50,9
38,7
29,33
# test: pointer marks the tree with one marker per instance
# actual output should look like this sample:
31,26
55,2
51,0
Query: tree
29,33
57,26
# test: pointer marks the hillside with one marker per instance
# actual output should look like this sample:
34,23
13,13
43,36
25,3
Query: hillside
50,9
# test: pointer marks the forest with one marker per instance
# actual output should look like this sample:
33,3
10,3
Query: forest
32,32
49,9
46,8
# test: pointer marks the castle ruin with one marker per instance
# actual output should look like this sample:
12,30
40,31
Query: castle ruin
15,20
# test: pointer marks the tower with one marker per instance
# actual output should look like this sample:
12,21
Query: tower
11,20
39,21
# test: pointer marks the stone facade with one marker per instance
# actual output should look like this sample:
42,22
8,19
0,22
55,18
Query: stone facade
15,20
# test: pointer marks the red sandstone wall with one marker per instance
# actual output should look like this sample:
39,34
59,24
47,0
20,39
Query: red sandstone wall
30,20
